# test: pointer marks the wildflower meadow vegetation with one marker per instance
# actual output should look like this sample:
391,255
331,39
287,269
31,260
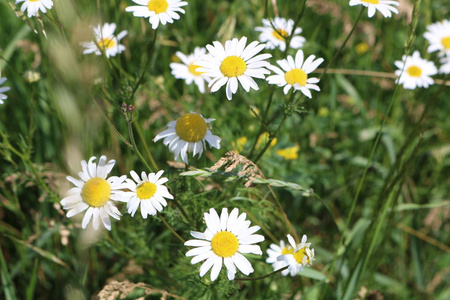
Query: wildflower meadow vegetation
169,149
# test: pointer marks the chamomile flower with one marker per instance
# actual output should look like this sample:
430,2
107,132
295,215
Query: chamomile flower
3,89
159,11
277,37
188,134
385,7
187,70
295,73
148,193
297,257
445,64
438,35
416,71
34,6
276,250
223,242
93,193
105,40
232,63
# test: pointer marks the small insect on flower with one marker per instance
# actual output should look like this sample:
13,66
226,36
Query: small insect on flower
106,41
438,35
187,70
188,134
416,71
385,7
295,256
93,192
34,6
276,38
159,11
232,63
148,193
295,73
2,90
223,242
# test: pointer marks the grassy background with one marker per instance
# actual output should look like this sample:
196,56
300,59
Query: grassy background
395,243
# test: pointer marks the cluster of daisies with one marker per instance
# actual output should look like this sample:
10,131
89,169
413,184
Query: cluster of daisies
223,242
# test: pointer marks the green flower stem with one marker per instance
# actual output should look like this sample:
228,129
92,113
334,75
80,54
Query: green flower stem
262,277
135,149
171,229
297,20
147,151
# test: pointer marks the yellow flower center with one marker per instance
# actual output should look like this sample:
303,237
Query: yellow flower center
96,192
286,251
414,71
191,128
106,43
192,68
224,244
299,256
157,6
146,190
296,76
446,42
233,66
34,0
280,34
371,1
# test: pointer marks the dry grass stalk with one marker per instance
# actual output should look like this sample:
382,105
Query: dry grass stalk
120,290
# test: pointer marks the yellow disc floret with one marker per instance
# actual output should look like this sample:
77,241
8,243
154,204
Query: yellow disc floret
280,34
371,1
233,66
286,250
414,71
191,128
300,254
106,43
146,190
96,192
446,42
157,6
224,244
193,69
296,76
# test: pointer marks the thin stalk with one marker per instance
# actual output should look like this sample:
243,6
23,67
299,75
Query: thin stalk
135,149
147,151
171,229
264,276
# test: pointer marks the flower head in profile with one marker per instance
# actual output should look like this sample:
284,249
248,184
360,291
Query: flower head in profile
385,7
416,71
105,40
234,63
275,37
158,11
187,69
224,241
294,73
445,64
3,89
147,192
188,134
94,193
438,35
296,257
34,6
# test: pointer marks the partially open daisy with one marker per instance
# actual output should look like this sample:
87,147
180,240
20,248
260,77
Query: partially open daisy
277,37
187,70
106,41
295,73
297,257
159,11
385,7
232,63
188,134
438,35
223,242
93,192
416,71
276,250
148,192
34,6
3,89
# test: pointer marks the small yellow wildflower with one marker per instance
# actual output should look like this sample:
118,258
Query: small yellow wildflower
362,48
289,153
264,138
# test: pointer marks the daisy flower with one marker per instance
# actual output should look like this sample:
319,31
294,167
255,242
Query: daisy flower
148,193
164,11
187,70
188,134
385,7
105,40
34,6
416,71
223,242
93,192
445,67
276,250
295,73
277,38
297,257
3,89
232,63
438,35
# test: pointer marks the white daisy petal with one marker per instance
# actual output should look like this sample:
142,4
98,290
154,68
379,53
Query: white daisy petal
162,11
385,7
